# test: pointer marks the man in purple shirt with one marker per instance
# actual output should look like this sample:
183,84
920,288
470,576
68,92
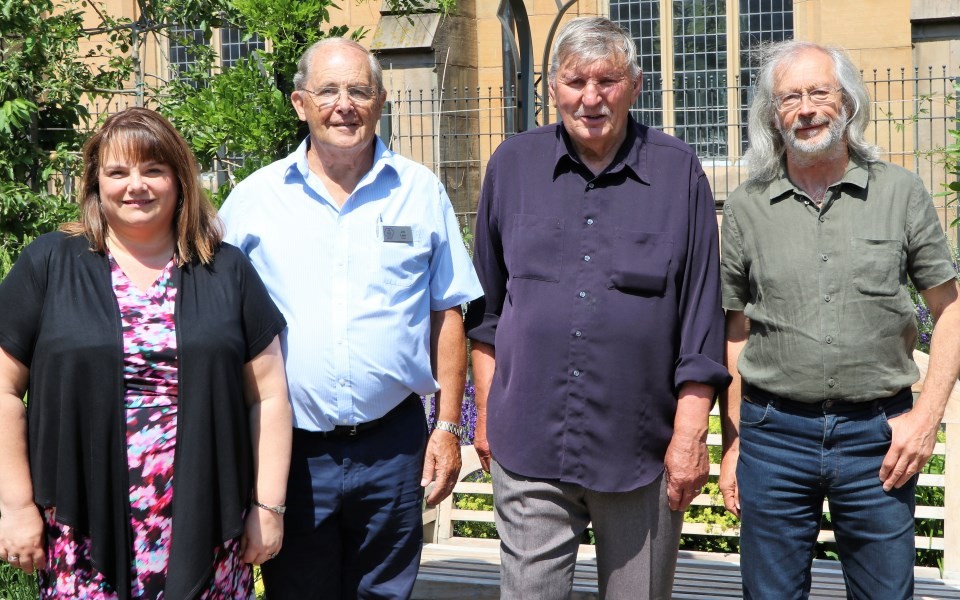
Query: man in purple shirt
598,348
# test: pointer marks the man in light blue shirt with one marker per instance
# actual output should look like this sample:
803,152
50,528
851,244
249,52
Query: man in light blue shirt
362,252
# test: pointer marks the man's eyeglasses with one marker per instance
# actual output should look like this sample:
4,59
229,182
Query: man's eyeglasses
794,100
358,94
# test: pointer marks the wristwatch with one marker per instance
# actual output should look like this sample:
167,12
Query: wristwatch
457,430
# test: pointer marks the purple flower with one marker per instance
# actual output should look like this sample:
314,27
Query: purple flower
468,414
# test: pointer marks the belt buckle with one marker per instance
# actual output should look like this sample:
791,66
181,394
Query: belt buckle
353,431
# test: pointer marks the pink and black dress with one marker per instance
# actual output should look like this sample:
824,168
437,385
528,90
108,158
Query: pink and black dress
138,431
150,401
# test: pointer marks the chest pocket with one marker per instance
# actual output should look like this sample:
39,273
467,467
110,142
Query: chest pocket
401,263
538,245
876,266
640,262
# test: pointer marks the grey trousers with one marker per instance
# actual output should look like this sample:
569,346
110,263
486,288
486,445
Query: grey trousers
540,523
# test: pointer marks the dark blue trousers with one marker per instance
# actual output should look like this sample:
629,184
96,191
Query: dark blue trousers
353,527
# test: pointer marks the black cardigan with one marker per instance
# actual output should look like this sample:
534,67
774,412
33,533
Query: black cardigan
60,318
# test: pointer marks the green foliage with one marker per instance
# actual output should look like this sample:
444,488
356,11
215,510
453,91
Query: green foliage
475,529
717,521
931,496
258,583
43,80
39,101
292,26
951,155
14,585
25,214
715,517
245,111
406,7
239,113
467,233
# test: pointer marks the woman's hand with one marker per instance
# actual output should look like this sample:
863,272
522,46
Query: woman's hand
262,536
21,539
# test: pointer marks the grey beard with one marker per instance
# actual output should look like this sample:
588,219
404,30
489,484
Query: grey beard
812,151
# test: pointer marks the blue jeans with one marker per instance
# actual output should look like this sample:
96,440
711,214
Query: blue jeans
793,456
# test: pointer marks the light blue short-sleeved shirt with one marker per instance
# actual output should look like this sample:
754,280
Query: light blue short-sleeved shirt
357,307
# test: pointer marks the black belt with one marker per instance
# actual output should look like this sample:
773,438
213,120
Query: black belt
755,395
347,431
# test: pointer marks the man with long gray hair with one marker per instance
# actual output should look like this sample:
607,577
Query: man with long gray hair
599,342
818,245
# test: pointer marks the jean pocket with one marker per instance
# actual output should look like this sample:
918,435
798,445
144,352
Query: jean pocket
876,266
640,262
538,252
891,413
751,414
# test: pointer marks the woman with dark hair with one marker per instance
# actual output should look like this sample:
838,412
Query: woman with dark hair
152,457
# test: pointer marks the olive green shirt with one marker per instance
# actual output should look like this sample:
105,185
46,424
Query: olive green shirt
825,288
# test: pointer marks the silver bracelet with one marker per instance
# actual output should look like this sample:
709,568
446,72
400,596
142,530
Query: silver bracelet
457,430
279,509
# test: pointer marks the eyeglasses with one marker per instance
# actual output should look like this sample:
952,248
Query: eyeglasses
793,101
358,94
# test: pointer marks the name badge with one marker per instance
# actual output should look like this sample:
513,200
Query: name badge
401,234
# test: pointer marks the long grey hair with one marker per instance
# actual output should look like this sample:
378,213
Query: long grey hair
766,143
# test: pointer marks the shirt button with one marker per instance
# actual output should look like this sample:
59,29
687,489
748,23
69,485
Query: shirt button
586,258
578,333
823,257
827,298
343,383
829,339
583,294
821,219
576,373
832,382
590,186
589,221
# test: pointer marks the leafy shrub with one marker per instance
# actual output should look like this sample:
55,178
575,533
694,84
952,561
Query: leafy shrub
14,585
475,529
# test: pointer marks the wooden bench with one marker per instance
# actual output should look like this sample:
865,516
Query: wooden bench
460,568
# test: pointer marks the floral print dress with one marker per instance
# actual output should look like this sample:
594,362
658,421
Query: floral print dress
150,376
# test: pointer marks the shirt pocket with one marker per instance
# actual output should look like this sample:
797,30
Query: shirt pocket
876,266
640,262
538,247
401,263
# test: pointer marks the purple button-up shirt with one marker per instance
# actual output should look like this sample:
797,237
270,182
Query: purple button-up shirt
602,297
